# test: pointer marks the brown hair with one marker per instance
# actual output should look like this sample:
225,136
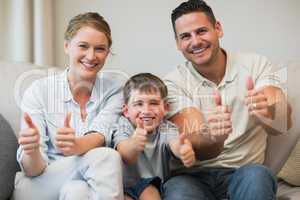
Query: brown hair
191,6
144,82
91,19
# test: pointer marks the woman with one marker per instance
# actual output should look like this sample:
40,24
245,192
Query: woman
66,120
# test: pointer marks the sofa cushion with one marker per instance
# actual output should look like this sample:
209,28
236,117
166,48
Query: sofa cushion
8,163
290,172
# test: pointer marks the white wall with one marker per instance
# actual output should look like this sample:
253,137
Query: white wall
143,37
4,38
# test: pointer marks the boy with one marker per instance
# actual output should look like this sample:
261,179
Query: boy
145,140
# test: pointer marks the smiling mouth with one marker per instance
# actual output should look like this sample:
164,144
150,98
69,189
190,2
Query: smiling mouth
88,65
198,50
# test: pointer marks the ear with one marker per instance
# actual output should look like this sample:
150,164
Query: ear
166,106
66,46
219,29
125,110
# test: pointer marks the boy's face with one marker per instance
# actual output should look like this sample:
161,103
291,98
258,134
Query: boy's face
148,108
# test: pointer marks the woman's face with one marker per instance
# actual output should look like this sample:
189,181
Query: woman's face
87,52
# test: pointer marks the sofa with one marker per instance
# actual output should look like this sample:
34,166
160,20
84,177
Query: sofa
16,76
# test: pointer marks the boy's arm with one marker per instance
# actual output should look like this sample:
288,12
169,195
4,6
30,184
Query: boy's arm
131,147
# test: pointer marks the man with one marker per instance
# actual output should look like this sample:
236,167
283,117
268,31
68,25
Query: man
225,103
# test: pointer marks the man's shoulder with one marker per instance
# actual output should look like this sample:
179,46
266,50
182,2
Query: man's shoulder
246,57
178,75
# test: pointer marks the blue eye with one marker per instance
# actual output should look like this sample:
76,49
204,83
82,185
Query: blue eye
100,49
83,46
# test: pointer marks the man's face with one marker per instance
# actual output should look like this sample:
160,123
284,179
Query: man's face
197,38
147,108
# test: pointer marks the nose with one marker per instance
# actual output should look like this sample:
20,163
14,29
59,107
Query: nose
90,54
146,108
196,40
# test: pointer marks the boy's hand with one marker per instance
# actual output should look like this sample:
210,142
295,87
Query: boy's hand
139,137
219,122
256,101
29,138
66,139
186,152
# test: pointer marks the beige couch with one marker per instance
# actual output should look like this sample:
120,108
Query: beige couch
15,77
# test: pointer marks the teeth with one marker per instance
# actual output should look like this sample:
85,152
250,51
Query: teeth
89,65
147,118
198,50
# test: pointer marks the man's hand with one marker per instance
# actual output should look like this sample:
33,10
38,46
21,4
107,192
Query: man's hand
29,138
219,121
186,152
257,102
139,137
65,138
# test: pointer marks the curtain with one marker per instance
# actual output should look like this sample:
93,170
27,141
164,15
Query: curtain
27,31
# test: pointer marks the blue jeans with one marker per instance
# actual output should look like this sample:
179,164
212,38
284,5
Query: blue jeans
250,182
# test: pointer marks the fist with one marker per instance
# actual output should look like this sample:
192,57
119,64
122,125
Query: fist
29,138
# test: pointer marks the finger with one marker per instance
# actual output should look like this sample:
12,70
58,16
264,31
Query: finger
67,120
217,98
219,117
181,139
221,109
29,121
32,146
63,144
139,123
249,83
255,98
65,131
29,151
28,132
64,137
221,132
258,106
28,140
220,125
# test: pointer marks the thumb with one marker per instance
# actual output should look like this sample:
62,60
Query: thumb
249,83
139,123
28,121
181,139
67,120
217,98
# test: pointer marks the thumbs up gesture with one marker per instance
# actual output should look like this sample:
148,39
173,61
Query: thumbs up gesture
219,121
186,152
139,137
65,138
256,101
29,138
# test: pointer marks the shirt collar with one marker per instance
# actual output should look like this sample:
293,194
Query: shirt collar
67,90
231,70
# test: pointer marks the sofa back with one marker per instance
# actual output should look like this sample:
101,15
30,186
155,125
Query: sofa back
15,78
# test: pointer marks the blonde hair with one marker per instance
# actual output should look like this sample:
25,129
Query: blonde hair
91,19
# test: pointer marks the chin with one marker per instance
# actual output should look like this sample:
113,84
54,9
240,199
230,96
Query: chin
150,129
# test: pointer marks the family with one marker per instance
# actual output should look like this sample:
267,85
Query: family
200,133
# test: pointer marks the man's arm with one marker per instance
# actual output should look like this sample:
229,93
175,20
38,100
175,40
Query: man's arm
269,105
191,122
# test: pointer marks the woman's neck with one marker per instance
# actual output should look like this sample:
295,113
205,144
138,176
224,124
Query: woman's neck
81,89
